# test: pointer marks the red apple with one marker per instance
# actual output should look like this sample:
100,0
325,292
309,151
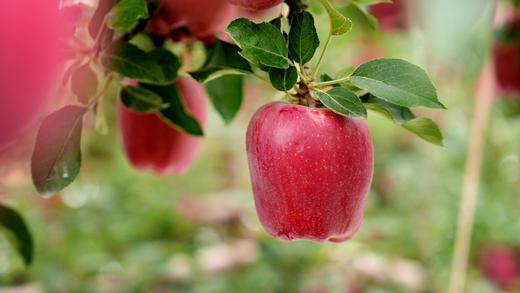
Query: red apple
311,171
152,144
192,19
391,16
30,32
506,54
255,4
501,266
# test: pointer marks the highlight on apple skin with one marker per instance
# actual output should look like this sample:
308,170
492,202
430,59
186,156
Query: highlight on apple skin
152,144
311,171
255,4
28,63
189,19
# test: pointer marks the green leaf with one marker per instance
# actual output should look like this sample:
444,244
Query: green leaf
126,15
426,129
365,15
142,100
303,38
398,82
261,44
134,63
226,94
168,62
56,158
176,114
23,241
396,113
84,83
283,79
339,24
223,58
343,102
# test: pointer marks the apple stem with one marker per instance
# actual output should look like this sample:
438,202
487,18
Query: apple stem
320,61
331,82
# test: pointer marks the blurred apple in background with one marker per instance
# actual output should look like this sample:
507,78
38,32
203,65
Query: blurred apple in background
500,264
256,5
391,16
28,63
152,144
506,53
189,20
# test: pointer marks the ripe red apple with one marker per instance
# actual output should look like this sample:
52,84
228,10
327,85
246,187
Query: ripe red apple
506,55
311,171
30,32
501,266
391,16
255,4
152,144
192,19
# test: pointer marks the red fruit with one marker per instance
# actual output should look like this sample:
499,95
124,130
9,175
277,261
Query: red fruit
187,19
152,144
311,171
30,32
507,66
255,4
500,265
391,16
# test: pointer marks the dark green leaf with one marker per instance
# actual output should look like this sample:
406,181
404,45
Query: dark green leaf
56,158
84,83
134,63
168,62
283,79
223,58
277,22
176,113
303,38
142,100
339,24
398,82
343,102
14,223
127,13
426,129
226,94
262,44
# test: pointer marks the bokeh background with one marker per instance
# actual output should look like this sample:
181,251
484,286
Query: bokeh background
119,230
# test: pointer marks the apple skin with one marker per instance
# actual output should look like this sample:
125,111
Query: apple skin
152,144
501,266
29,63
192,19
507,66
311,171
391,16
255,5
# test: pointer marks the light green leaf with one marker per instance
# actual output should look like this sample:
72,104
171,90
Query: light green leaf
398,82
126,15
339,24
426,129
342,102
